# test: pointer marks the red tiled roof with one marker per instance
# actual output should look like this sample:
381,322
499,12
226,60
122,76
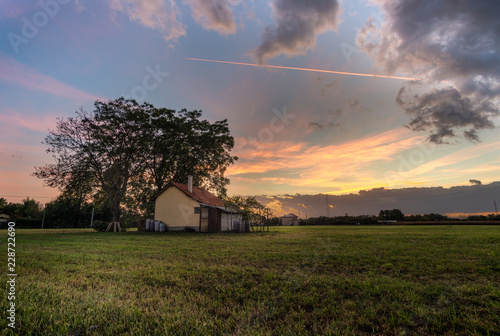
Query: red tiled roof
198,194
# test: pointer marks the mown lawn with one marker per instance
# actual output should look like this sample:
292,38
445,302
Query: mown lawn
391,280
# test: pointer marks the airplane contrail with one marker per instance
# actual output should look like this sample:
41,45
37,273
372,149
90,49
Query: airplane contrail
305,69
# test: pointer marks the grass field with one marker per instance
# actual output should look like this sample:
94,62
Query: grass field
390,280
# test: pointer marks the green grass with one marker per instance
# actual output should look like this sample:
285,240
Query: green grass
399,280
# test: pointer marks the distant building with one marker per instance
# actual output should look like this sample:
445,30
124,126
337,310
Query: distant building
290,220
182,206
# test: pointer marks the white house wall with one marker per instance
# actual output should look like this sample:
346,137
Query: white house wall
176,210
226,223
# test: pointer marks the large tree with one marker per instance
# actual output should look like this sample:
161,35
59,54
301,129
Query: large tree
123,148
195,147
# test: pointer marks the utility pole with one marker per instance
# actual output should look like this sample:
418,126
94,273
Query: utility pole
495,204
327,206
43,218
92,217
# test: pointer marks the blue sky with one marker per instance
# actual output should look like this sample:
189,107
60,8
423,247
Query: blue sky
296,131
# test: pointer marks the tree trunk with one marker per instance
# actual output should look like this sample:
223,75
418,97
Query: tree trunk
115,210
114,203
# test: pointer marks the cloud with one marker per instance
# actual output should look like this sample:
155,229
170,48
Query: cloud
162,15
353,103
214,15
442,41
328,166
13,72
476,182
459,199
11,9
443,111
419,164
315,126
297,24
15,120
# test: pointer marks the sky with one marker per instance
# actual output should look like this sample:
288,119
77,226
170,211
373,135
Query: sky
365,141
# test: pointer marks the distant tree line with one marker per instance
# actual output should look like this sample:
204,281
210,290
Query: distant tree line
390,215
340,220
65,211
70,211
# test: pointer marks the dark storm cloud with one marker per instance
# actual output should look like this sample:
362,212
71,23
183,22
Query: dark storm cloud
457,42
297,24
461,199
446,111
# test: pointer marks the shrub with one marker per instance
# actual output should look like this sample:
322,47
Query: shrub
100,226
24,223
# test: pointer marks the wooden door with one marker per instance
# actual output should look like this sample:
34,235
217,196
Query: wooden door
204,219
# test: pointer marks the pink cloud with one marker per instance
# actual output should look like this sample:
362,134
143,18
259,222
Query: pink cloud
15,120
11,9
162,15
16,185
13,72
17,162
320,166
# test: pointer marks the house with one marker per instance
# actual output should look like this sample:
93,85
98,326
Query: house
182,206
290,220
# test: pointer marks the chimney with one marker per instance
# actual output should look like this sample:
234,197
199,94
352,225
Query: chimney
190,183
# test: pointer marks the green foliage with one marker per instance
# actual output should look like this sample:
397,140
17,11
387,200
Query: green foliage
195,147
273,221
66,211
26,223
70,211
432,217
28,209
340,220
100,226
490,217
131,219
394,214
248,206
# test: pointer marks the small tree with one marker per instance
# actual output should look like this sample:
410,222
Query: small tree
251,209
394,214
28,209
